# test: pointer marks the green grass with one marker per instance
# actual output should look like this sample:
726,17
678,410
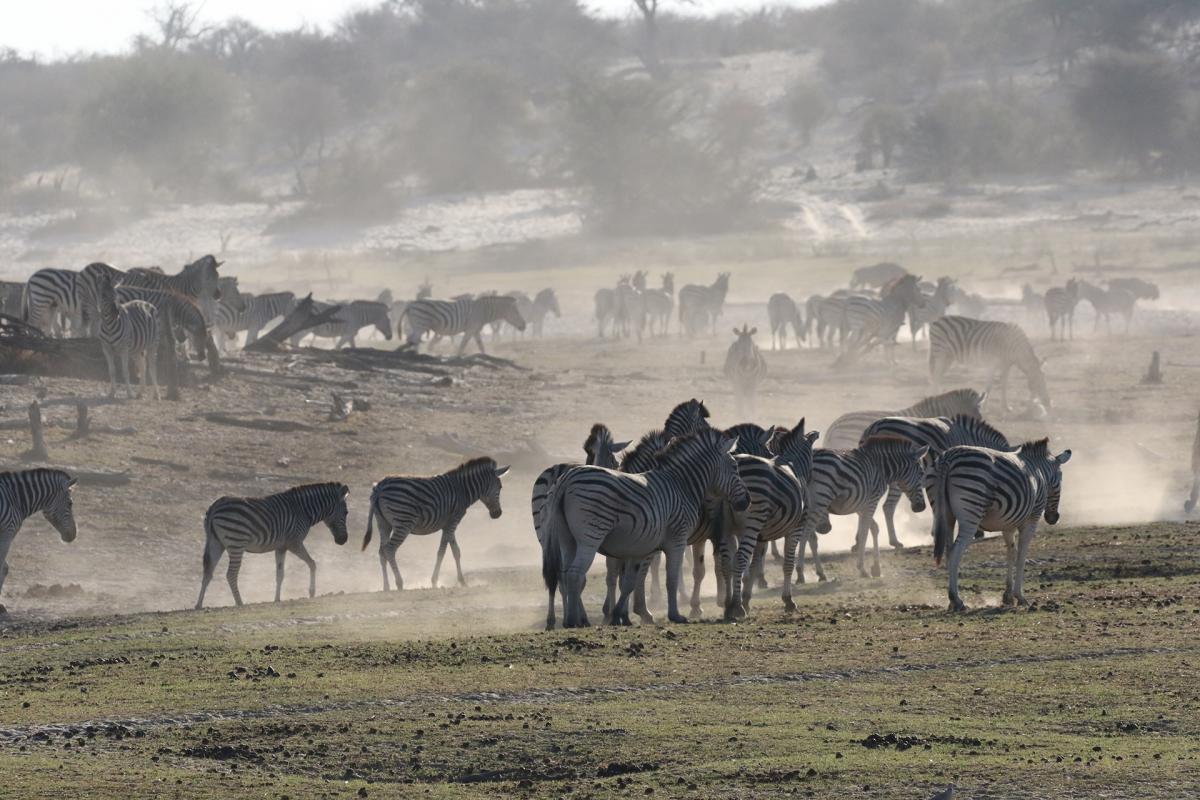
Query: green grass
871,690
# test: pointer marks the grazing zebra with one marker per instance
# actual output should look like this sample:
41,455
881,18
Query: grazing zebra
778,490
1142,290
877,275
846,432
128,330
278,522
632,516
601,451
991,490
25,492
467,316
54,301
1195,493
412,506
782,311
701,305
936,303
261,309
999,345
852,482
1106,303
660,303
352,318
745,368
870,321
827,315
198,280
1060,302
178,315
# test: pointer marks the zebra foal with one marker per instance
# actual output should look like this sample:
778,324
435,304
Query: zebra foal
982,489
413,506
128,330
24,493
277,522
745,368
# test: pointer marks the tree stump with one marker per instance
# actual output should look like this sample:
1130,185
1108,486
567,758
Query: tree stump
82,423
38,451
1154,373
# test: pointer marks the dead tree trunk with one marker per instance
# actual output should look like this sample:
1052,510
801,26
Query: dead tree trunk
168,362
301,318
82,424
1154,373
38,451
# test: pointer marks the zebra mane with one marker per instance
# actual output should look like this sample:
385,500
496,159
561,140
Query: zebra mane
599,433
340,489
983,431
1039,448
40,472
683,411
929,404
887,444
644,455
474,466
753,438
681,447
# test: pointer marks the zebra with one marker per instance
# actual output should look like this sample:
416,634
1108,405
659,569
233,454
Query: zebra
91,277
352,318
745,367
1142,290
782,311
278,522
660,303
700,305
870,321
1000,345
450,318
632,516
936,303
601,451
178,315
1030,299
630,313
606,309
419,506
543,303
982,489
877,275
1108,302
198,280
54,301
260,310
827,319
1060,302
1190,503
852,482
25,492
846,431
128,330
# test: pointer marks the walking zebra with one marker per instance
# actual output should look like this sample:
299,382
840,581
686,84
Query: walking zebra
1060,302
467,316
128,330
1195,493
702,305
260,310
178,316
1106,303
846,432
660,303
54,301
782,311
351,319
745,368
632,516
412,506
827,319
852,482
278,522
870,322
990,490
999,345
534,312
25,492
936,303
877,275
601,451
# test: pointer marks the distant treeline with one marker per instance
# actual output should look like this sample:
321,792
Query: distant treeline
436,96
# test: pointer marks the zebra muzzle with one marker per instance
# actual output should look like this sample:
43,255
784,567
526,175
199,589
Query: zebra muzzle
495,513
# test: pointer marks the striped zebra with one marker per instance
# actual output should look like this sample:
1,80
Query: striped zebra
25,492
278,522
1142,290
534,311
877,275
685,418
700,306
852,482
414,506
606,309
1060,302
870,322
827,319
632,516
54,301
659,304
260,310
937,301
846,432
467,316
998,345
177,314
198,280
745,368
629,316
351,319
91,277
1108,302
991,490
128,330
781,312
601,451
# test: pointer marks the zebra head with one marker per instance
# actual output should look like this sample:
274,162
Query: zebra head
491,492
793,448
1037,455
687,417
548,300
753,439
1037,384
425,290
600,448
668,282
510,313
231,294
59,511
912,477
210,280
382,319
336,521
907,290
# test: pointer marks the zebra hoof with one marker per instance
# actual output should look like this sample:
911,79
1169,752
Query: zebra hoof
875,571
1021,601
896,544
646,619
678,619
1007,599
696,613
462,581
789,607
957,605
821,578
762,583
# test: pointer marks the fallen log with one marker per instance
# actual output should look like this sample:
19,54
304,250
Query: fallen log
301,318
87,477
273,425
159,462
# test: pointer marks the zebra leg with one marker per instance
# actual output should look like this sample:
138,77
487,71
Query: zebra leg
462,580
860,539
758,567
1023,543
389,543
573,582
1194,495
231,574
794,538
612,576
441,553
6,540
1010,552
696,612
639,596
966,535
740,584
889,515
299,551
152,368
674,568
213,549
820,570
776,556
280,555
655,583
112,371
125,372
875,571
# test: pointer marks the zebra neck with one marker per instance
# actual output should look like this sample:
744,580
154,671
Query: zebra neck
29,496
693,477
470,485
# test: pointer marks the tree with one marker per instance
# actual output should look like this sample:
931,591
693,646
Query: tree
648,52
176,23
806,106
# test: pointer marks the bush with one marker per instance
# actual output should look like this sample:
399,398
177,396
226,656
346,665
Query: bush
806,106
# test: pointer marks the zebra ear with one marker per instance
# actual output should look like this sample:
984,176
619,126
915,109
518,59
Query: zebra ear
736,332
812,436
72,481
501,471
922,453
1063,457
619,446
753,331
729,443
983,396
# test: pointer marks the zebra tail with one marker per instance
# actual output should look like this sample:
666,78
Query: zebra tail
554,520
25,302
209,535
943,517
370,523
